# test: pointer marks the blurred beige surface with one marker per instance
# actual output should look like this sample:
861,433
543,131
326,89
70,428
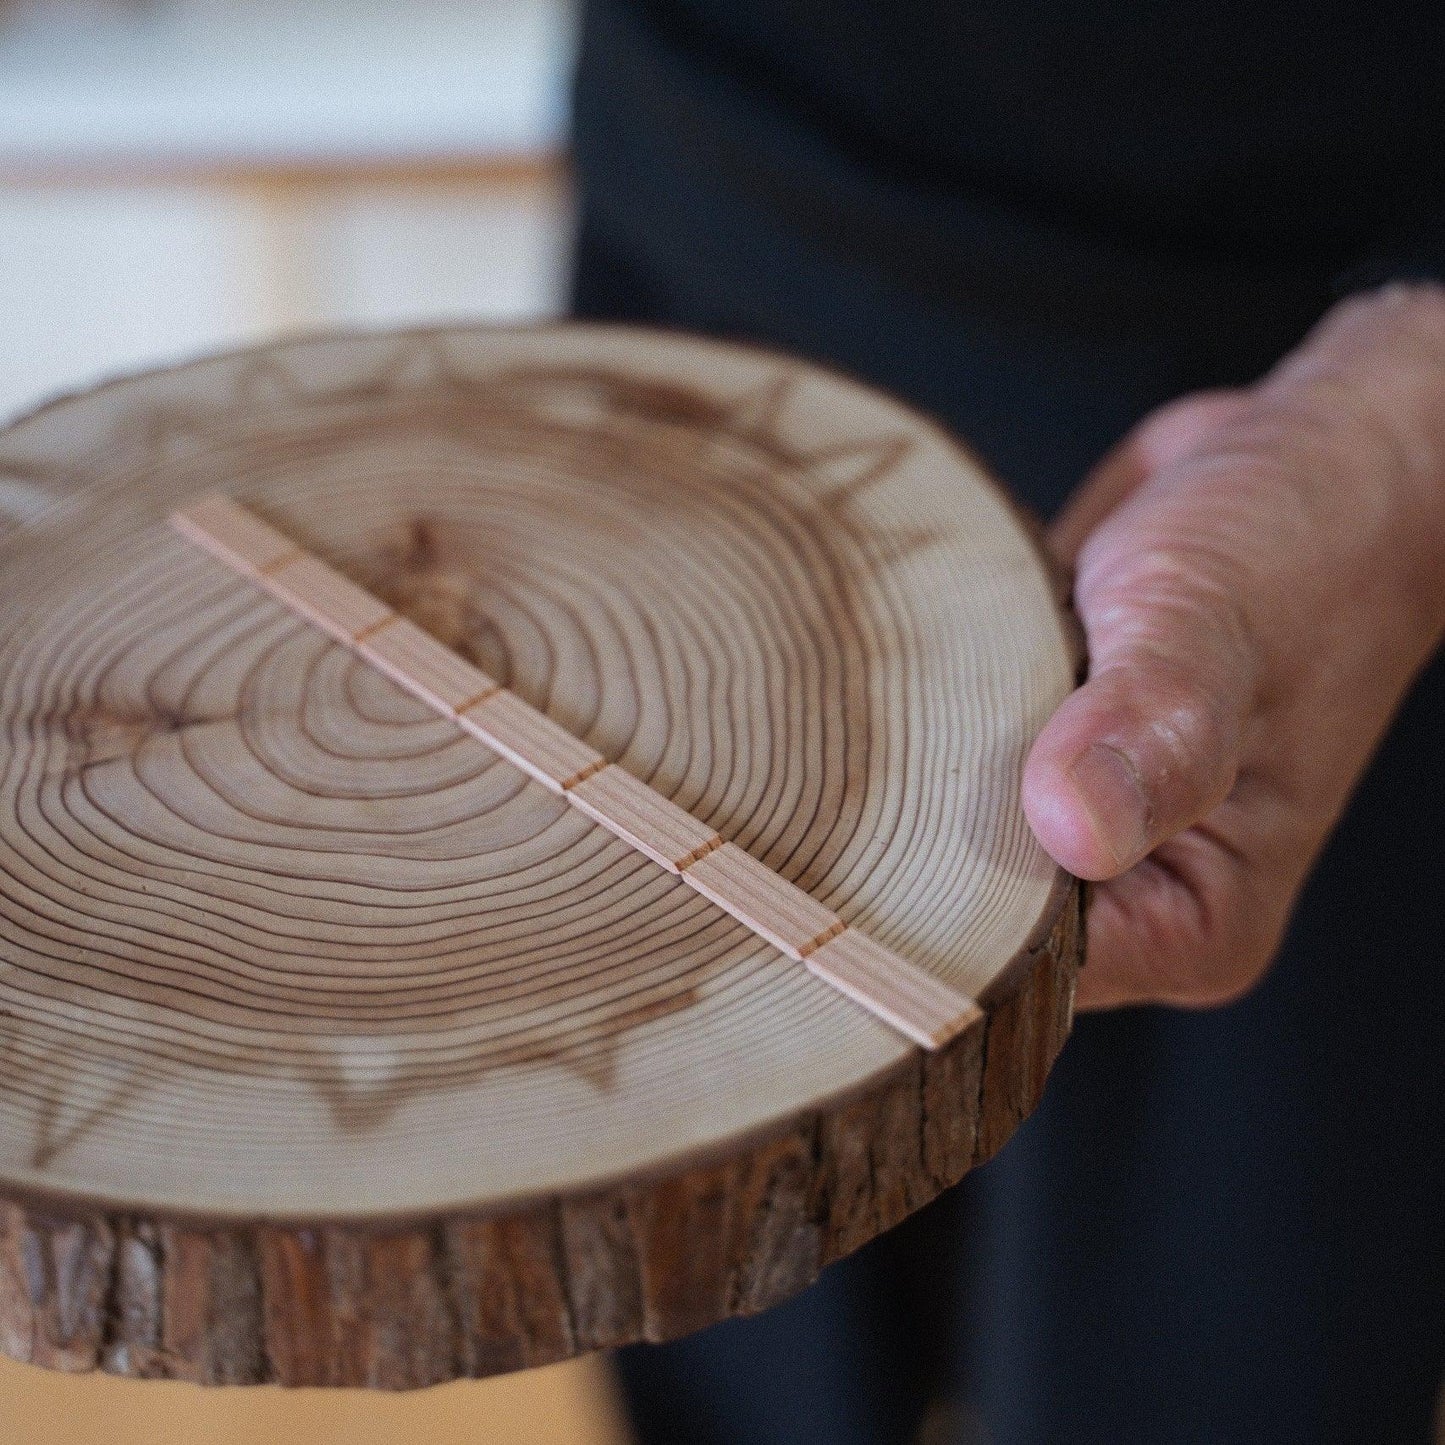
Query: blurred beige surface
97,278
568,1404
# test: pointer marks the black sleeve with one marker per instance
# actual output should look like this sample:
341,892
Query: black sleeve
1419,259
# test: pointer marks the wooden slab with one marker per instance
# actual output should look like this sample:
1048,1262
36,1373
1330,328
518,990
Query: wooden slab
334,1052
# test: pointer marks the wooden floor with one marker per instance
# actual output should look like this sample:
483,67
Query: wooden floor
569,1404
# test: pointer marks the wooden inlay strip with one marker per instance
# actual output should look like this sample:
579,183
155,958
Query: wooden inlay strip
916,1003
238,537
913,1001
323,596
531,741
781,912
642,817
426,668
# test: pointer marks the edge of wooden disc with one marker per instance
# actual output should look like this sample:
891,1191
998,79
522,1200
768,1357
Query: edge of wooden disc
403,1301
401,1304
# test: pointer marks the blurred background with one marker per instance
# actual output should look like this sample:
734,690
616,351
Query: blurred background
182,175
179,176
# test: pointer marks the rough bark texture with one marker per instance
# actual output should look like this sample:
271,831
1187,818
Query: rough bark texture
398,1307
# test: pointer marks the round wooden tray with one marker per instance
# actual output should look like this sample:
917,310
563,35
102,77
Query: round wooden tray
333,1050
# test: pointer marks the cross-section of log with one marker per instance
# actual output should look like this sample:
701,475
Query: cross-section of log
335,1049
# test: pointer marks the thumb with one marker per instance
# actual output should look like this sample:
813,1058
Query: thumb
1159,441
1150,743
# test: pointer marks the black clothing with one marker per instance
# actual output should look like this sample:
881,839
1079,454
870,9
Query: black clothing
1205,127
1040,223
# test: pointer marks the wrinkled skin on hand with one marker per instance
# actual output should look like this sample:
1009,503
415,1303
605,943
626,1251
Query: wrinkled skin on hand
1260,574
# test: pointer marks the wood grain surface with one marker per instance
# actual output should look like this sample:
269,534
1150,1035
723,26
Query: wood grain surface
334,1050
921,1007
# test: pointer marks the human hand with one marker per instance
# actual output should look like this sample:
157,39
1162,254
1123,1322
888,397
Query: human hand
1260,574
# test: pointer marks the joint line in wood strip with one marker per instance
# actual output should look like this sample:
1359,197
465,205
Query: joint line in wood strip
372,628
583,774
702,850
832,931
481,697
920,1006
281,563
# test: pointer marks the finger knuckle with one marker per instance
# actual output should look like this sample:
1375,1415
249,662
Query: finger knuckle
1177,581
1191,719
1179,621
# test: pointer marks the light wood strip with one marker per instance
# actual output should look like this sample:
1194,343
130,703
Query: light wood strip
238,537
531,741
781,912
916,1003
642,817
924,1008
426,668
323,596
